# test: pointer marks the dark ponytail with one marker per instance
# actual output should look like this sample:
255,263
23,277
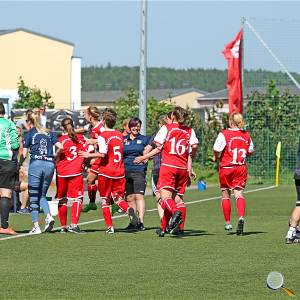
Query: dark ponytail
68,125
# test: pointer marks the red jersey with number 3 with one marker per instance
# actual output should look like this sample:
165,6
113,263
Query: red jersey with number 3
70,164
175,140
111,143
238,146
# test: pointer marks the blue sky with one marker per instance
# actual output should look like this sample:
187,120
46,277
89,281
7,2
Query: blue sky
181,34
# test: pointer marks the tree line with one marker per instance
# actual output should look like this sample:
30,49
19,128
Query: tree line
99,78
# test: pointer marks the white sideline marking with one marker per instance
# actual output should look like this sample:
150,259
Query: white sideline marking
148,210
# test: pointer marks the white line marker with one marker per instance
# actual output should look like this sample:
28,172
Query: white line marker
148,210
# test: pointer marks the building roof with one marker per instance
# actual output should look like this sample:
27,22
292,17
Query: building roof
112,96
222,94
8,31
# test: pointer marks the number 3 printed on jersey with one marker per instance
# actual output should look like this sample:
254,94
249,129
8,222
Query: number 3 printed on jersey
238,156
73,151
177,147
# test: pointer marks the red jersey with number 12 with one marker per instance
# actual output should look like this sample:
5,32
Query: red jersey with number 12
111,143
237,147
70,164
176,140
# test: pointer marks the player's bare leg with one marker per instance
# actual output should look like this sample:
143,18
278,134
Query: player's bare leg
159,208
131,200
140,207
226,208
92,191
240,205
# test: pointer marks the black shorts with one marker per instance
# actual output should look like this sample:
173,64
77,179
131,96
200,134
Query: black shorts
7,174
154,182
135,183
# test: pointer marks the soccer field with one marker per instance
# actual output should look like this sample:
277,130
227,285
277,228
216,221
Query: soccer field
207,263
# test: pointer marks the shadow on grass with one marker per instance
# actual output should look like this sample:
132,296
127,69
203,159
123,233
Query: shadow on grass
191,233
248,233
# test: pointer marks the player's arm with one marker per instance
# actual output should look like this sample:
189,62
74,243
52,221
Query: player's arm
146,156
219,146
193,141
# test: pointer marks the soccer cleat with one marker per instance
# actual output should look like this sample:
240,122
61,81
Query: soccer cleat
141,227
240,227
114,209
49,223
8,231
90,206
175,221
110,230
35,230
293,240
160,232
74,229
63,230
132,216
228,226
292,236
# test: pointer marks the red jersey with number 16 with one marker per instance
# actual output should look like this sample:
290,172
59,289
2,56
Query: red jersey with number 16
110,143
70,164
237,144
176,141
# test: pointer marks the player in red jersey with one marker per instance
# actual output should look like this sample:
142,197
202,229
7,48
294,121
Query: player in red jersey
92,115
232,146
176,142
70,184
111,176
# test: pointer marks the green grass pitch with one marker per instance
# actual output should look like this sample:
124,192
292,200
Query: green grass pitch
207,263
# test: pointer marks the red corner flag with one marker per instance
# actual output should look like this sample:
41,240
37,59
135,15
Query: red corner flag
233,55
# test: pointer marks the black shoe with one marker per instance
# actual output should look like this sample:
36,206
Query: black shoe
74,229
63,230
133,217
175,221
293,240
130,227
141,227
240,227
160,232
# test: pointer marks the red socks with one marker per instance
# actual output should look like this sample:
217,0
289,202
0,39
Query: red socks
181,207
165,219
107,214
92,191
75,211
123,205
226,209
241,205
62,214
169,204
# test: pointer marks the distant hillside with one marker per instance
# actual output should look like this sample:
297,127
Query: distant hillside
210,80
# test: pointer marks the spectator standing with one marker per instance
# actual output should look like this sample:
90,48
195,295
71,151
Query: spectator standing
135,174
8,148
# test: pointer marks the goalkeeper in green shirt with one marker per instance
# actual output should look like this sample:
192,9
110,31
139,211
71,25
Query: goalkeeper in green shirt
8,167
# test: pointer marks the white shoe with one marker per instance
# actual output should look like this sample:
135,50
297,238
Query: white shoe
110,230
35,230
228,226
49,223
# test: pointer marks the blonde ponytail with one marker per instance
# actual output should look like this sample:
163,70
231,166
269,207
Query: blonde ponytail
35,121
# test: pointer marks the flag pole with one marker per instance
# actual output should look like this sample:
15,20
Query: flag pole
243,20
278,150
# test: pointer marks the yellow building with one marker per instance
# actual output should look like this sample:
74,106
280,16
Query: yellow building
42,61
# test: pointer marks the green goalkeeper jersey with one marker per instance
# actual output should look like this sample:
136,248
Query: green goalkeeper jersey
8,138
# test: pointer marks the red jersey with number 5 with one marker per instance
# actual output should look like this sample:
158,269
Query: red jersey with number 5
110,143
176,141
237,144
70,164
